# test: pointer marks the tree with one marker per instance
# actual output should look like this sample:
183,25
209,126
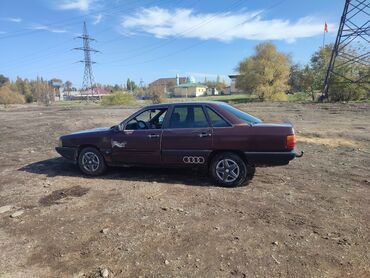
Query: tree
23,86
43,91
3,80
339,89
155,94
295,78
116,88
306,81
68,87
130,85
266,73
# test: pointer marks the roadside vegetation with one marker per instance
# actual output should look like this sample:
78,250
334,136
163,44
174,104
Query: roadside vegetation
267,75
9,96
119,98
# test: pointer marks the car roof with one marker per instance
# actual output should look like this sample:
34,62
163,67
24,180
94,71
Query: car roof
168,104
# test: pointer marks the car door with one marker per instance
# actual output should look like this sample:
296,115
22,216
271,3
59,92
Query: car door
187,137
139,144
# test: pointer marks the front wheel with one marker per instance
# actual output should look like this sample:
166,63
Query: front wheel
229,170
91,162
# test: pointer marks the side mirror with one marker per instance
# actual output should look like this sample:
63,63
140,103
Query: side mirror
120,127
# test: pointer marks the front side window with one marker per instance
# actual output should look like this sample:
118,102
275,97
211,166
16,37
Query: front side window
149,119
188,117
216,120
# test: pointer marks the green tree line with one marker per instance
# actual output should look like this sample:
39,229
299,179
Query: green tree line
271,75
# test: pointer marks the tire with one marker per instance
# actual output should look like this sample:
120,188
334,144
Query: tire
229,170
91,162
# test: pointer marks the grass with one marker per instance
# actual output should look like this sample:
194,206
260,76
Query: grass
299,96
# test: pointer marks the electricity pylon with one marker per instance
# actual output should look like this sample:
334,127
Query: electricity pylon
88,83
354,28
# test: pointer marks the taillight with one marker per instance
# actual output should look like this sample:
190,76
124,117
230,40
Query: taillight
290,141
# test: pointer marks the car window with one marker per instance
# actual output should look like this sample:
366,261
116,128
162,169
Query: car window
216,120
148,119
188,117
240,114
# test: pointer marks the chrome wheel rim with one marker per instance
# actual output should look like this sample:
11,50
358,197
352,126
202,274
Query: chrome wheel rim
227,170
90,162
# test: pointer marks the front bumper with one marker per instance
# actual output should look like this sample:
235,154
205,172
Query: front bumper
270,158
66,152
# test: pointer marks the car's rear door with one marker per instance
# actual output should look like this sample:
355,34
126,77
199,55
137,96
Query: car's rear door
187,136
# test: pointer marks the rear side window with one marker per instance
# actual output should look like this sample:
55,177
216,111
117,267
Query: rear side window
188,117
240,114
216,120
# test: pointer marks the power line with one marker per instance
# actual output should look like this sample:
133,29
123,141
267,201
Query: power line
236,4
196,44
42,51
77,19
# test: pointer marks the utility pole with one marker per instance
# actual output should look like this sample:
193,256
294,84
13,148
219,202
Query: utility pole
88,83
354,28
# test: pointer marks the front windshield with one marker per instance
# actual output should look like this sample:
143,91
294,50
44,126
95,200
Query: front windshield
240,114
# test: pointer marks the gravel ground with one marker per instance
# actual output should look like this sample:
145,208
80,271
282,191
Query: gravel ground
307,219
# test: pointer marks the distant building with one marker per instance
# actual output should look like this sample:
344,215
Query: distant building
78,95
212,91
190,89
233,89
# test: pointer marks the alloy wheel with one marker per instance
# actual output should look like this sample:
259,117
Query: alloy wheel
227,170
90,162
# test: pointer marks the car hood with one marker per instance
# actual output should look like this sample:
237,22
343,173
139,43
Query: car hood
84,133
94,130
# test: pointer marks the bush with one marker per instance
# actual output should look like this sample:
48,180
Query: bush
29,98
155,94
7,96
118,98
299,96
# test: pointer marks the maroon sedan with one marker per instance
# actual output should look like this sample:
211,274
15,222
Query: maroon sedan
213,135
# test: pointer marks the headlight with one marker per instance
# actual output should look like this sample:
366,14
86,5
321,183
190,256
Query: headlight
60,143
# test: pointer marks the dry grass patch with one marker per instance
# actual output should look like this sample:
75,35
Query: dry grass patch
331,142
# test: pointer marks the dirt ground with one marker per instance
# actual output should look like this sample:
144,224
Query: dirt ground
307,219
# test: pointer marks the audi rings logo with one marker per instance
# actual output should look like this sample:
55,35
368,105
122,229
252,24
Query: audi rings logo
193,159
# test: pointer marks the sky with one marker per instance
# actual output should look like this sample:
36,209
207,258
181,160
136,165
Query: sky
149,39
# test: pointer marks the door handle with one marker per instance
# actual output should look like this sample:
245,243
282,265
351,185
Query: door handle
153,135
205,134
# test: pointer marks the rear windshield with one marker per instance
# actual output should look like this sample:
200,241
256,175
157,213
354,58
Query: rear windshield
240,114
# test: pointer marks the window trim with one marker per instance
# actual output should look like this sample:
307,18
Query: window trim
222,117
167,126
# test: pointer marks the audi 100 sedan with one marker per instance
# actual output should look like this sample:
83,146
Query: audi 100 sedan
215,136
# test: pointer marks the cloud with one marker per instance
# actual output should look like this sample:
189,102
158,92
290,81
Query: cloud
13,19
82,5
186,23
47,28
97,19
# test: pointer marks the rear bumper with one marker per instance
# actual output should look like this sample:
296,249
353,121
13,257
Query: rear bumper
69,153
270,158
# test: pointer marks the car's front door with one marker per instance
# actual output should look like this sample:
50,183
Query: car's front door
187,138
139,141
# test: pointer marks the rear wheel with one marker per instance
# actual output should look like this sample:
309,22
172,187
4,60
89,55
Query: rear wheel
229,170
91,162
